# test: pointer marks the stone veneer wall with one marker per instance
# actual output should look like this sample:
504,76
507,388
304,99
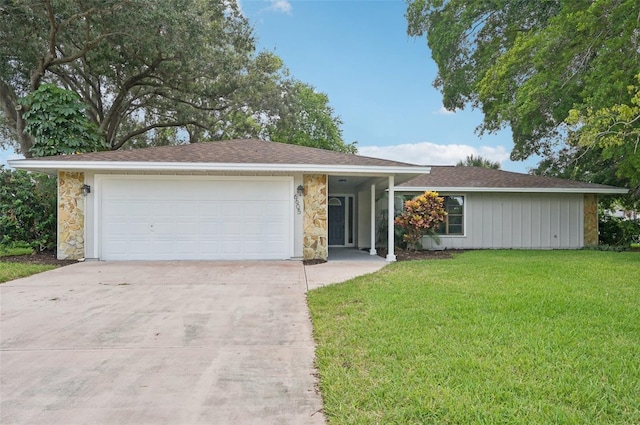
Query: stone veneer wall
315,244
590,219
70,216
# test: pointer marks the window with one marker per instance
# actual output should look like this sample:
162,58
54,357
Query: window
454,223
453,205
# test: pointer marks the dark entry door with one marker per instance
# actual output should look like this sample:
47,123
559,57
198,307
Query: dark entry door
336,220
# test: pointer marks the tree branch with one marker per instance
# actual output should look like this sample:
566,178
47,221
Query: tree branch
149,127
109,126
13,115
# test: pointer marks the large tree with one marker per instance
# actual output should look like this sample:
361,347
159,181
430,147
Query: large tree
478,161
528,64
308,119
151,72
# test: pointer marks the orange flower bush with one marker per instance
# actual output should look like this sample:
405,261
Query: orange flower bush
422,215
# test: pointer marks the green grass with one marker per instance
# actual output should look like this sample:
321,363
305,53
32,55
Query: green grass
508,337
10,271
6,251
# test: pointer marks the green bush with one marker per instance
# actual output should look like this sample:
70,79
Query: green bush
27,209
615,231
610,248
17,248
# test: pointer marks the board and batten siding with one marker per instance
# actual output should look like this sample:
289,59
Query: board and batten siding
518,221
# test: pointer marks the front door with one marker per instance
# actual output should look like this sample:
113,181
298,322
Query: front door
336,220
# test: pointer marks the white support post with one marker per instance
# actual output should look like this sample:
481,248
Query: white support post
373,251
391,216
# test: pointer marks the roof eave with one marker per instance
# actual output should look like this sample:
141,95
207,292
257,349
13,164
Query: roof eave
608,191
47,166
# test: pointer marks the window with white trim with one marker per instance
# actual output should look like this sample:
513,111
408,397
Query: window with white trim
454,223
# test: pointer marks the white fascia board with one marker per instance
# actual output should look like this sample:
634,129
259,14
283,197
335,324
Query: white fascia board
26,164
608,191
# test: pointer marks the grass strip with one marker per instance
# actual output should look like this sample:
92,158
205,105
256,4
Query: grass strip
11,271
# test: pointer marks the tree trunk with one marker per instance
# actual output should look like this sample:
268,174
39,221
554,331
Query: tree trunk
12,112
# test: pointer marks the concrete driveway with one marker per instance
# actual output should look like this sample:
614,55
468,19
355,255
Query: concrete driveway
158,343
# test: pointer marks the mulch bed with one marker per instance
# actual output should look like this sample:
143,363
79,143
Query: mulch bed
49,257
410,255
44,258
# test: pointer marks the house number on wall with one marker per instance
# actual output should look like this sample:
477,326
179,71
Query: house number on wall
295,197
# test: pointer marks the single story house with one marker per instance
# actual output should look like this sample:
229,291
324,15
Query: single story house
499,209
253,199
226,200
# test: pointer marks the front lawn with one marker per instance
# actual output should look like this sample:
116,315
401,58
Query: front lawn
509,337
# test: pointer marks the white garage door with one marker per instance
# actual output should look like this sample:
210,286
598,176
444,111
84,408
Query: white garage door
157,218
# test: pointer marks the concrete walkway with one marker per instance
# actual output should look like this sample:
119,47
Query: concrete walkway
343,264
159,343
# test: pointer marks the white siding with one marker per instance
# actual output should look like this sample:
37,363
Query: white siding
518,220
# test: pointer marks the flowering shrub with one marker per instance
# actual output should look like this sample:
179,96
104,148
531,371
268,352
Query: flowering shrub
421,216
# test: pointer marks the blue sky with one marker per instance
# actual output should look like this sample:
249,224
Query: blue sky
378,79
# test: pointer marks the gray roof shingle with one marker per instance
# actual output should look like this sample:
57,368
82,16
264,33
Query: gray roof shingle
247,151
477,177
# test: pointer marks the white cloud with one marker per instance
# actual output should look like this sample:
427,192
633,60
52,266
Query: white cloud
444,111
426,153
281,6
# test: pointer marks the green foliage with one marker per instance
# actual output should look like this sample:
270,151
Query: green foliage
615,129
57,121
489,337
154,73
141,66
607,248
478,161
527,64
591,164
421,217
616,231
16,248
27,209
308,120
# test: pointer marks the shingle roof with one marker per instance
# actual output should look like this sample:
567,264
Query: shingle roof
249,151
443,177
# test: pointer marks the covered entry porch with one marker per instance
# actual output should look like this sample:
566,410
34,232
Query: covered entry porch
352,203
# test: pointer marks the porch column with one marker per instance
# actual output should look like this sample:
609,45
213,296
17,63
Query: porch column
373,251
391,217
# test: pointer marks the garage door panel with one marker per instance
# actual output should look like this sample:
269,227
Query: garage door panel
231,247
146,219
162,228
232,230
254,228
137,247
233,209
210,229
187,209
186,229
210,247
186,248
208,209
117,228
254,248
